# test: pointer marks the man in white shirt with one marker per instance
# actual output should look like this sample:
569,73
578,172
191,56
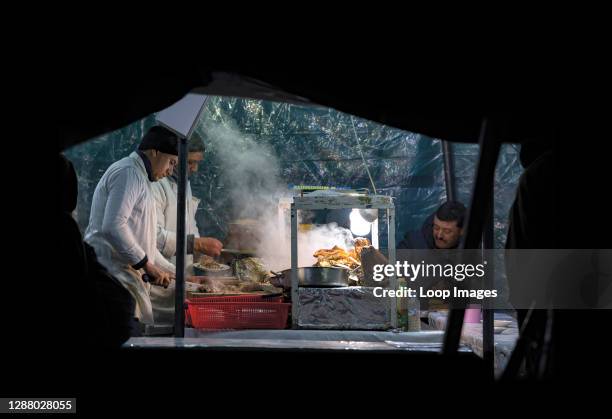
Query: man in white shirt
123,221
166,197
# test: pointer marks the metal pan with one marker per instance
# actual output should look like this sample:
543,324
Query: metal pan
315,277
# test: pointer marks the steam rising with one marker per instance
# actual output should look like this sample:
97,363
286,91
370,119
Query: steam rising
250,171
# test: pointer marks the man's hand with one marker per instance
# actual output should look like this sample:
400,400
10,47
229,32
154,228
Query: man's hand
158,276
208,246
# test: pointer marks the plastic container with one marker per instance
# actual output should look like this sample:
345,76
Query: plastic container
472,314
258,298
209,313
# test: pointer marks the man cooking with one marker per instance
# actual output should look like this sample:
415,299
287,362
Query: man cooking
165,193
123,222
166,197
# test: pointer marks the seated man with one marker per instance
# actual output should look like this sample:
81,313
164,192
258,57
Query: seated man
441,230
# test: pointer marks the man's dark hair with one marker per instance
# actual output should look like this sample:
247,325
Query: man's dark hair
161,139
452,211
196,144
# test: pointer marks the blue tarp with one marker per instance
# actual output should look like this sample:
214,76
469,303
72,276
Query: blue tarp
315,146
311,146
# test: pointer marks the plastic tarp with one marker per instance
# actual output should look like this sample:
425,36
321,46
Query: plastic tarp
309,146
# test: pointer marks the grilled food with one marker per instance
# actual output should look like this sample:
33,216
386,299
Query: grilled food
338,257
206,262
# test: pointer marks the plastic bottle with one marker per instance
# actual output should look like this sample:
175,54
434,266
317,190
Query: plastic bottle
414,314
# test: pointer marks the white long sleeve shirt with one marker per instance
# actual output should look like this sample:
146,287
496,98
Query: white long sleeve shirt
123,225
166,197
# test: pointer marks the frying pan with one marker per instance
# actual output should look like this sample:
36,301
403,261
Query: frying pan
313,277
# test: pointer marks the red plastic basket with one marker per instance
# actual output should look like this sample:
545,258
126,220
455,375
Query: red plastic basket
258,298
238,315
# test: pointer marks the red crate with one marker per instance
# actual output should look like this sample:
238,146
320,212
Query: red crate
238,315
258,298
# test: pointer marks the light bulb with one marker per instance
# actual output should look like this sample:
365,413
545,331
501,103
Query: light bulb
359,226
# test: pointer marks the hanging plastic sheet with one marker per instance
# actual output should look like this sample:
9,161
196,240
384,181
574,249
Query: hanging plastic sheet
255,147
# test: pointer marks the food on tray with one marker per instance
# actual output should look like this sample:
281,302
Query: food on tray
206,262
250,286
338,257
235,287
360,243
251,269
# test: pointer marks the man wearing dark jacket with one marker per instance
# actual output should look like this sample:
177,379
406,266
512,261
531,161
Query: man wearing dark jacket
441,230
